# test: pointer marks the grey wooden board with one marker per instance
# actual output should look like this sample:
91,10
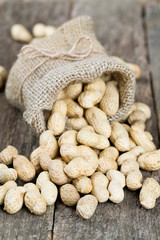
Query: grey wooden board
13,129
119,27
153,37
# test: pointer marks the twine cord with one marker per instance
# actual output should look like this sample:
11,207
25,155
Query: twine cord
71,55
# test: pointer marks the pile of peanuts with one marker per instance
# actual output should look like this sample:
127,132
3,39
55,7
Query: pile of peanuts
20,33
83,155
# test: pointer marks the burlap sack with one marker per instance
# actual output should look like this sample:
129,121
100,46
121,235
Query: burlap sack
48,65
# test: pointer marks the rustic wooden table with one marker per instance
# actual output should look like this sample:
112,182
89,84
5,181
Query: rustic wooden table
128,29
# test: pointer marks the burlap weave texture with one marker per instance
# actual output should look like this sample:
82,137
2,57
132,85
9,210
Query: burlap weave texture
39,91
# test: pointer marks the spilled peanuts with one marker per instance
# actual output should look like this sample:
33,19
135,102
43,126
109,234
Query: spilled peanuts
88,157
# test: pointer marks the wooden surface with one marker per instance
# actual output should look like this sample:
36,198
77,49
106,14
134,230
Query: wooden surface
153,37
126,29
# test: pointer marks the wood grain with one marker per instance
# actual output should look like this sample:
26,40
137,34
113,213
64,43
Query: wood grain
13,129
118,25
153,37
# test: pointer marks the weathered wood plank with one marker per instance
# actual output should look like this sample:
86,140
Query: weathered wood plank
13,129
119,27
153,36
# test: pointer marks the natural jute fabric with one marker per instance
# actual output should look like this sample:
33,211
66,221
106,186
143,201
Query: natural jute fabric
48,65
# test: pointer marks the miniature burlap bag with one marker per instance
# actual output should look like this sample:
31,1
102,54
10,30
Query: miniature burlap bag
49,64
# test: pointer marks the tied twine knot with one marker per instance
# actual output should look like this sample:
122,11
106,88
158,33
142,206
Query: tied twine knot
32,52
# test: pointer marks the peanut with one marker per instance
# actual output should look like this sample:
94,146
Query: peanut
144,108
13,200
61,95
31,187
3,76
81,167
49,192
69,152
130,169
86,206
38,30
35,157
25,169
110,101
5,188
56,122
56,172
107,159
69,195
116,193
136,116
3,166
20,33
68,137
115,175
116,185
8,174
92,139
6,156
134,153
139,124
49,143
98,119
97,85
78,123
128,166
134,180
100,183
119,137
42,177
44,160
149,193
73,90
83,184
150,160
140,138
34,201
89,98
73,108
49,30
